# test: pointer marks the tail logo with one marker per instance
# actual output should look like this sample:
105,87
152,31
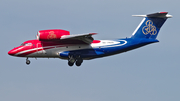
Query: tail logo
149,28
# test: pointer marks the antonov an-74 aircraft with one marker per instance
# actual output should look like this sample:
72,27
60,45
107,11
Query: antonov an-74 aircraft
59,43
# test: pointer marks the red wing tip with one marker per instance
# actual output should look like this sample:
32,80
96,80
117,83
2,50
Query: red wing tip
163,12
93,33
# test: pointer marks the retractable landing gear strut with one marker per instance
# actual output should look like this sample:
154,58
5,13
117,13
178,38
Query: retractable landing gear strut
28,61
71,60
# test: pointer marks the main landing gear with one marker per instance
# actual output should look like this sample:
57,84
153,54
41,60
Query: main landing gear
72,59
28,61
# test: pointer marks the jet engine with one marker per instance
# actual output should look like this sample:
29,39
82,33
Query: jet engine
51,35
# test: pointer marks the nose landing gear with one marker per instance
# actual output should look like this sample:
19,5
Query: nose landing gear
28,61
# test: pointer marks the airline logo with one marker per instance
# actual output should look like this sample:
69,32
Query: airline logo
149,28
51,35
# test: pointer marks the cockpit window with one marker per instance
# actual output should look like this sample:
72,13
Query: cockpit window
22,44
28,44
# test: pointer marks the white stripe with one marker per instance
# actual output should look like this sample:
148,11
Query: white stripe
116,44
138,26
27,51
36,49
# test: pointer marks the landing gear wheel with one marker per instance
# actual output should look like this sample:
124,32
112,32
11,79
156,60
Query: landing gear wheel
28,61
71,60
74,58
70,63
79,62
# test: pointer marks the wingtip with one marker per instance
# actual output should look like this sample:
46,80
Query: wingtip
92,33
163,12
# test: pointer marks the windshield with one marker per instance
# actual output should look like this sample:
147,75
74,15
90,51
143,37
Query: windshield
22,44
26,44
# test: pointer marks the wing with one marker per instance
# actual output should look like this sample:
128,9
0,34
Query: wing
86,38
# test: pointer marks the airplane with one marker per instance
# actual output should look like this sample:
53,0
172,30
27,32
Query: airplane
58,43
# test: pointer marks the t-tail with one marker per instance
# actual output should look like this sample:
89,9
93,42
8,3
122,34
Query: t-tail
150,25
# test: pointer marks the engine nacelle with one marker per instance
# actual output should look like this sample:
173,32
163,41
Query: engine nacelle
49,35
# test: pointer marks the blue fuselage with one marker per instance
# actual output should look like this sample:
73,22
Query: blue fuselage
121,45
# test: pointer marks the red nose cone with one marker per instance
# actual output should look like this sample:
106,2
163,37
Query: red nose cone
11,52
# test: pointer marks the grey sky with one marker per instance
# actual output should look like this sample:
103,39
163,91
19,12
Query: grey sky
150,73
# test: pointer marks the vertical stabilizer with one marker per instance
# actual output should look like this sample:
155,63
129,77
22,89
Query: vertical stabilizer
150,25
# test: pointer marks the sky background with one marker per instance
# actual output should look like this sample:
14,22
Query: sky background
150,73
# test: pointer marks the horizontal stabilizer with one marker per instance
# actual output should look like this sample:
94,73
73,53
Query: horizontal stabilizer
159,14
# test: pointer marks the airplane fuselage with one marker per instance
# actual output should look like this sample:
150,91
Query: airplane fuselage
98,48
